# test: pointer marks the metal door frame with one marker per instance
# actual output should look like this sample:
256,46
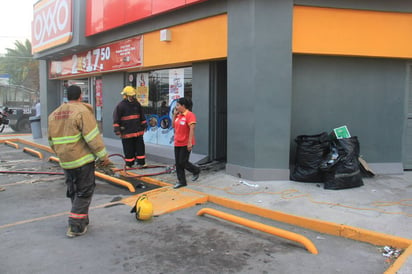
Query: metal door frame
218,111
408,116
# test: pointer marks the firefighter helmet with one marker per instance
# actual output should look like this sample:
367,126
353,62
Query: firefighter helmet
129,91
143,208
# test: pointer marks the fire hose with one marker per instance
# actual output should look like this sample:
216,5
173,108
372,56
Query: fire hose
168,169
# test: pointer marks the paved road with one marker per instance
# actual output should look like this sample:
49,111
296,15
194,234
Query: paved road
33,221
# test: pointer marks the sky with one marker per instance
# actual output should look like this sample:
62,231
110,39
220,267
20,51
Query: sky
15,22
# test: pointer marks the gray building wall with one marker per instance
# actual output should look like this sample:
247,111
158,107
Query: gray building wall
259,88
112,84
49,95
201,103
272,97
366,94
407,140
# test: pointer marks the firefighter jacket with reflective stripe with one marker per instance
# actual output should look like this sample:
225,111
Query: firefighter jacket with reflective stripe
74,135
129,119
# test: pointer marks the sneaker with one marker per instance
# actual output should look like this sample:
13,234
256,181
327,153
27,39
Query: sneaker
71,233
195,176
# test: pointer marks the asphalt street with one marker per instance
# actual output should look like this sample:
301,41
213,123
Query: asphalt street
34,210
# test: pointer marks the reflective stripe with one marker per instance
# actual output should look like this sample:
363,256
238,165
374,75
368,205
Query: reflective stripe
79,162
141,157
130,117
66,139
92,134
135,134
101,153
77,216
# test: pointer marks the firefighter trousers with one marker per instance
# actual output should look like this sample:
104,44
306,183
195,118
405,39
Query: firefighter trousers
134,150
81,183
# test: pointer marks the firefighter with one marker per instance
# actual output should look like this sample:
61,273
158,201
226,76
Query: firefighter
130,124
75,138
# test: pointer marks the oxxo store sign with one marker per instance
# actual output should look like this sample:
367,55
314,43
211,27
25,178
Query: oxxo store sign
119,55
52,24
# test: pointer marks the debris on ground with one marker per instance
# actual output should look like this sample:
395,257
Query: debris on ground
248,184
244,182
391,253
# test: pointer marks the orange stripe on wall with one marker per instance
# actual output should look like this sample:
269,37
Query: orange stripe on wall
54,43
200,40
352,32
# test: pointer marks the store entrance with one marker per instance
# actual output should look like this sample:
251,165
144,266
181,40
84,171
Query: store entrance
91,94
218,111
407,157
83,84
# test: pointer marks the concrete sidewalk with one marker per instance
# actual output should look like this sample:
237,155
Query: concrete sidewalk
383,204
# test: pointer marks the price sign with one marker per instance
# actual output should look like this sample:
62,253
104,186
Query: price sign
110,57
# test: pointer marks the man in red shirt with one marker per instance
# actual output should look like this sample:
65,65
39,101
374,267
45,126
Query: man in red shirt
184,123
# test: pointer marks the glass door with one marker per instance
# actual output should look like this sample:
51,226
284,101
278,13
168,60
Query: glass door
83,84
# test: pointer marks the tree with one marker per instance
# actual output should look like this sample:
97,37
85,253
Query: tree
20,65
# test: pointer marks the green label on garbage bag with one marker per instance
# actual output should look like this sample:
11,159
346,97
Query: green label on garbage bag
341,132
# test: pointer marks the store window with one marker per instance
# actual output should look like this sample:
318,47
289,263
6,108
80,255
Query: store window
158,91
97,90
83,84
92,93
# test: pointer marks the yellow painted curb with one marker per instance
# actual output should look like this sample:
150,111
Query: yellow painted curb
330,228
33,152
18,140
166,199
340,230
400,261
124,183
39,146
53,159
16,146
261,227
154,181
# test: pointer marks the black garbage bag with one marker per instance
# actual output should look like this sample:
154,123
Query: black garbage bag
342,170
310,153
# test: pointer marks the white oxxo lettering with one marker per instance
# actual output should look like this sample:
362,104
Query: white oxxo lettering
51,20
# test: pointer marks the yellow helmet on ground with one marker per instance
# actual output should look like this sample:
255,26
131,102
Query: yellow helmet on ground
128,91
143,208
